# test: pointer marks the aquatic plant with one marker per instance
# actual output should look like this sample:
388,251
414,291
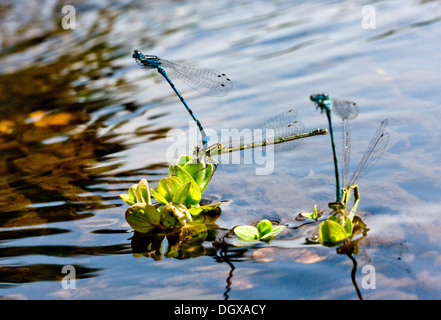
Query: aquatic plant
264,231
337,228
311,215
178,196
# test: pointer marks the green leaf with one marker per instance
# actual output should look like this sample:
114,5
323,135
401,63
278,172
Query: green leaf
267,238
278,230
194,195
271,235
175,215
311,215
332,233
206,177
264,227
138,193
193,167
344,222
188,167
142,192
182,193
168,186
206,214
263,232
348,226
126,199
201,173
183,160
246,233
142,217
132,193
182,174
160,198
209,207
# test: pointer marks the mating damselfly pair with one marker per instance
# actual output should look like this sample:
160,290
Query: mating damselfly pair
348,110
280,129
285,128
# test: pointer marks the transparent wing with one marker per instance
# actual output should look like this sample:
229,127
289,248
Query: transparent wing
346,110
373,152
392,251
279,126
206,81
346,150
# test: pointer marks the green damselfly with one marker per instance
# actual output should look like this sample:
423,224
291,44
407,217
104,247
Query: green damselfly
283,131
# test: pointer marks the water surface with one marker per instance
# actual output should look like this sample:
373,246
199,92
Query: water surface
80,123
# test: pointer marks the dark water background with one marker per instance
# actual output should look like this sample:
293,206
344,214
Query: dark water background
80,123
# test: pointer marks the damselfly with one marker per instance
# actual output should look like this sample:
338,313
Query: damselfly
206,81
282,130
347,111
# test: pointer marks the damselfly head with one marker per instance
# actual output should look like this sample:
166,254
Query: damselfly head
137,54
319,97
145,61
322,101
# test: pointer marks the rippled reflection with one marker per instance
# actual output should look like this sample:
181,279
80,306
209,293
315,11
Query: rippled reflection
39,272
